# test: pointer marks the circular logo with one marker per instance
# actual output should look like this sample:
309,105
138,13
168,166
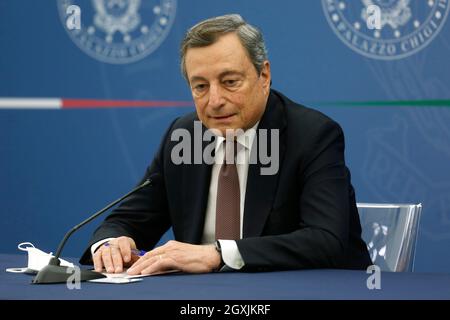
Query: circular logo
386,29
118,31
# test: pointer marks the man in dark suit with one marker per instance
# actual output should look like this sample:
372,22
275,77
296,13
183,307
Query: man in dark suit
299,212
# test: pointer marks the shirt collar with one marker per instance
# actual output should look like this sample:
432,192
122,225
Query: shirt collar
245,139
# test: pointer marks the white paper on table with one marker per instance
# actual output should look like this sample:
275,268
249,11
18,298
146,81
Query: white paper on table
124,277
116,280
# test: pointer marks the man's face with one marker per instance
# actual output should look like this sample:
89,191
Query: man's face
228,92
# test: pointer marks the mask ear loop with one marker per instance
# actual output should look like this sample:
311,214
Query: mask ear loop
28,244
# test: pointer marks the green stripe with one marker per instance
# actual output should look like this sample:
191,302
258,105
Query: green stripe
388,103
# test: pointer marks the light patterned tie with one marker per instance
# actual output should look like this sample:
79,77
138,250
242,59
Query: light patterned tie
228,197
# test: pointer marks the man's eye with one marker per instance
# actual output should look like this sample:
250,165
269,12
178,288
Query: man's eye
200,87
230,82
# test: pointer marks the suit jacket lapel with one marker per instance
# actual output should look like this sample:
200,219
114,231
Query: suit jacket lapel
196,180
261,189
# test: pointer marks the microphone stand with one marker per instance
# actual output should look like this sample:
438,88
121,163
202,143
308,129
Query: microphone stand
54,272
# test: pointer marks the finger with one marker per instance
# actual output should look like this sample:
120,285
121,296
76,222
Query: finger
151,254
162,264
141,264
125,250
97,258
133,259
142,259
155,253
107,261
116,259
165,248
137,265
137,262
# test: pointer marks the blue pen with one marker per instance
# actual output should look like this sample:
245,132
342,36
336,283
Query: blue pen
136,252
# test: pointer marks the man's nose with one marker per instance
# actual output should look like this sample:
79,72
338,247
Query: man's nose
216,99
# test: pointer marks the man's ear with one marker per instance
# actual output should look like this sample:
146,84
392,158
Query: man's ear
265,76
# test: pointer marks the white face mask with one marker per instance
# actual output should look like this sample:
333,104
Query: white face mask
37,259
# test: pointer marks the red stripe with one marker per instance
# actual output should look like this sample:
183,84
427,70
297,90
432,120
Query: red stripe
95,103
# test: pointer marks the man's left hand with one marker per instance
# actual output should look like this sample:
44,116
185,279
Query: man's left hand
180,256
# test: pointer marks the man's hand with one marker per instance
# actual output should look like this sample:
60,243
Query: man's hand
115,255
176,255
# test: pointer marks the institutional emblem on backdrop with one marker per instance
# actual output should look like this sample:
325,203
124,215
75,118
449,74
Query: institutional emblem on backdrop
404,27
120,31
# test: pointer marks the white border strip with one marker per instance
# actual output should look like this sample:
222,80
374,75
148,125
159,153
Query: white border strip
30,103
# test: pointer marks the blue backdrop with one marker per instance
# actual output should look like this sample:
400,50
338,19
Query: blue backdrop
59,166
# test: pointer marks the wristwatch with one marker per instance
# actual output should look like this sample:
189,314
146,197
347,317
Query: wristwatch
219,250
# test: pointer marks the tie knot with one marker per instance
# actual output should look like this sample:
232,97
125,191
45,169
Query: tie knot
230,151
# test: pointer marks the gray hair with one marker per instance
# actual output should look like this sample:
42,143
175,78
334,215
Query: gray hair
208,31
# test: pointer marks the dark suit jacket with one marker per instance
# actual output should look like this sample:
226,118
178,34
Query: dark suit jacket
304,216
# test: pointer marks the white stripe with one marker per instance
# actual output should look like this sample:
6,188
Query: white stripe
30,103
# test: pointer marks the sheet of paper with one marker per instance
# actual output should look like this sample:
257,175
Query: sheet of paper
122,278
125,275
116,280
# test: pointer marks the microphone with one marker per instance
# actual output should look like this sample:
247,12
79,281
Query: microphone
54,272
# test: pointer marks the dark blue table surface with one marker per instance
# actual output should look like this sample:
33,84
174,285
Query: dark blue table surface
285,285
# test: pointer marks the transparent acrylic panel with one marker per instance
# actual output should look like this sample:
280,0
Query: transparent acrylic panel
390,232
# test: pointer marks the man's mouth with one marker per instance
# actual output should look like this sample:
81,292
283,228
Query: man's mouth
222,117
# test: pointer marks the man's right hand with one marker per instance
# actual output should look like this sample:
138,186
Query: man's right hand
115,255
